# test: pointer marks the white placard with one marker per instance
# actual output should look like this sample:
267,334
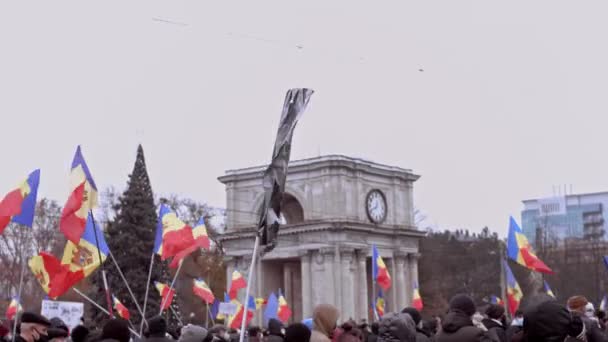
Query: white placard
69,312
228,309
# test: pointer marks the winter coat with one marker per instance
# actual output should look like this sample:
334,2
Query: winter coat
372,337
421,336
458,327
593,333
397,327
495,329
192,333
324,318
514,333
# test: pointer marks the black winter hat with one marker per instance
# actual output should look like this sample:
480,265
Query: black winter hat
116,329
414,313
297,332
80,333
157,326
30,317
495,311
463,303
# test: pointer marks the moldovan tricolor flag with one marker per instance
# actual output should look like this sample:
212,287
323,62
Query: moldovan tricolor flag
237,282
202,290
166,294
13,308
19,204
84,255
514,293
284,312
121,309
54,278
520,250
380,304
83,198
199,232
178,239
379,270
496,300
236,320
416,299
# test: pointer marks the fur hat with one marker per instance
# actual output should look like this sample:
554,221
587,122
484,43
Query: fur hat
577,303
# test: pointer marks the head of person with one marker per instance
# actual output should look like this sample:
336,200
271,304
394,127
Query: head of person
192,333
34,327
350,333
590,310
276,327
375,328
415,314
462,303
58,331
325,318
397,327
577,304
79,333
496,312
518,318
297,332
254,332
116,329
550,321
157,327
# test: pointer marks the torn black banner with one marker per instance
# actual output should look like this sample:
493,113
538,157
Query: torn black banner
275,175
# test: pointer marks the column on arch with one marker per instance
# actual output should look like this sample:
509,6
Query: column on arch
401,285
347,284
306,270
363,300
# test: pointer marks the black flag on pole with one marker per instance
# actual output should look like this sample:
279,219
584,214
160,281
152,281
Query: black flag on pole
275,175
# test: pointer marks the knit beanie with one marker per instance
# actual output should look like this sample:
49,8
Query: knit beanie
463,303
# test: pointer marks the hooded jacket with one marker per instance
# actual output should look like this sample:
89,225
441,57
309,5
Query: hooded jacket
397,327
324,318
458,327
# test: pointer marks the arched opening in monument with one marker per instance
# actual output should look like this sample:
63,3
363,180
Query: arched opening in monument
291,210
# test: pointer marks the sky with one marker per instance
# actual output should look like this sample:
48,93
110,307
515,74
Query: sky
490,102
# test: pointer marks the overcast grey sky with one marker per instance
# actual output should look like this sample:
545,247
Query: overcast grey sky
512,99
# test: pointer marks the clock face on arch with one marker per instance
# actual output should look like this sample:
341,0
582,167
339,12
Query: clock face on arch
376,206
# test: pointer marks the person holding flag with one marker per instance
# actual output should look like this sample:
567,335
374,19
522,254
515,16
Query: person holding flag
19,204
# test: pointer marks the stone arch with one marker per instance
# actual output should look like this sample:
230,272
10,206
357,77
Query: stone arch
293,203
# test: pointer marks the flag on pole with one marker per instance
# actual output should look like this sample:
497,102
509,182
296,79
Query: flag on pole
272,308
514,293
121,309
19,204
13,308
166,294
85,255
520,250
416,299
235,321
202,290
496,300
83,198
158,238
379,270
548,290
284,311
199,232
604,304
54,278
237,282
215,309
380,304
275,175
178,239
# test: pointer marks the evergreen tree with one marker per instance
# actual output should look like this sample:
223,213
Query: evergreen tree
130,237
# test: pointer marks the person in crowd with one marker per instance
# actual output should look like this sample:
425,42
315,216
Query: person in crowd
421,335
325,318
601,317
429,327
495,322
397,327
33,327
373,336
157,330
578,307
350,333
458,324
117,330
297,332
546,320
515,331
79,333
254,334
364,328
193,333
218,333
58,331
3,332
276,331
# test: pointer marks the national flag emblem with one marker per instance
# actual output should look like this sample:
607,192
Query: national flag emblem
380,304
83,197
202,290
84,255
19,204
284,311
54,278
259,302
520,250
496,300
514,293
237,282
416,299
604,304
379,270
548,290
166,294
121,309
13,308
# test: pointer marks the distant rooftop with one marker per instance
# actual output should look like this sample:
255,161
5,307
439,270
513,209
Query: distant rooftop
587,194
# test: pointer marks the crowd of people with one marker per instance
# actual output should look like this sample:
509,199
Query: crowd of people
543,319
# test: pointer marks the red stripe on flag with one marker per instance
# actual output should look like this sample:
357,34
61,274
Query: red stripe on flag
10,206
71,225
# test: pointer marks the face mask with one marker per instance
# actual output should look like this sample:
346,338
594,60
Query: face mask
519,322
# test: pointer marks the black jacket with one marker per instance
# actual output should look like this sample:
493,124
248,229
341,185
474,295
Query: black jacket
458,327
495,330
514,333
592,331
421,336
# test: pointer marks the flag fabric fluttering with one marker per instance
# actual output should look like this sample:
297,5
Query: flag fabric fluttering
259,303
215,309
178,239
235,321
83,197
199,232
380,304
237,282
19,204
416,298
514,293
54,278
13,308
284,311
275,175
604,304
202,290
121,309
548,290
496,300
166,294
272,308
158,238
85,255
520,250
379,270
